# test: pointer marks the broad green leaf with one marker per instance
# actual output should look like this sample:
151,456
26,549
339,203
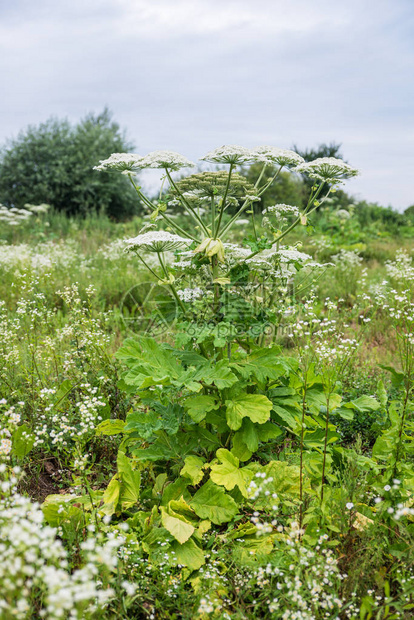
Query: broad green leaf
56,507
287,418
382,394
110,427
316,399
268,364
197,407
189,554
227,472
268,431
239,448
130,481
217,373
193,469
175,490
170,416
397,378
149,363
253,547
154,452
366,403
178,526
22,441
143,423
159,485
212,502
111,497
254,406
316,439
283,480
345,412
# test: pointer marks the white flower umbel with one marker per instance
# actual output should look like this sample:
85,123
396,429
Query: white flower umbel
274,155
120,162
230,154
190,294
42,208
156,241
281,209
293,256
165,159
328,169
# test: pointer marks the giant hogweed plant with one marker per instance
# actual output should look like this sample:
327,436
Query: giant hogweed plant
214,404
213,409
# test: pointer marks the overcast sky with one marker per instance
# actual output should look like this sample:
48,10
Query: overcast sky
191,75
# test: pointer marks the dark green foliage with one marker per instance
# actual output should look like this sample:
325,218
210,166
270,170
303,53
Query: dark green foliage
53,164
409,212
323,150
372,213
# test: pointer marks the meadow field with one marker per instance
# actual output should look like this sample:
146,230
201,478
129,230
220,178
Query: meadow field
207,409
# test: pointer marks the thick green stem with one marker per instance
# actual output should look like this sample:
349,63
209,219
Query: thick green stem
260,175
171,285
187,205
223,203
166,218
246,204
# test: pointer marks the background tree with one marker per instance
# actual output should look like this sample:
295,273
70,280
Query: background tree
52,163
409,213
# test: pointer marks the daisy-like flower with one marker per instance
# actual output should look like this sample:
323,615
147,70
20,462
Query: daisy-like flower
230,154
165,159
156,241
121,162
274,155
328,169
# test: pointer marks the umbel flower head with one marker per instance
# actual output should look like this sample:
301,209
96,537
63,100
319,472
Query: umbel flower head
274,155
156,241
230,154
328,169
120,162
212,185
165,159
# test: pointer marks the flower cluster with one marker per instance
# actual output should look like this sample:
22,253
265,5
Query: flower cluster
281,210
156,241
120,162
190,294
281,157
306,582
402,268
14,216
328,170
230,154
33,559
